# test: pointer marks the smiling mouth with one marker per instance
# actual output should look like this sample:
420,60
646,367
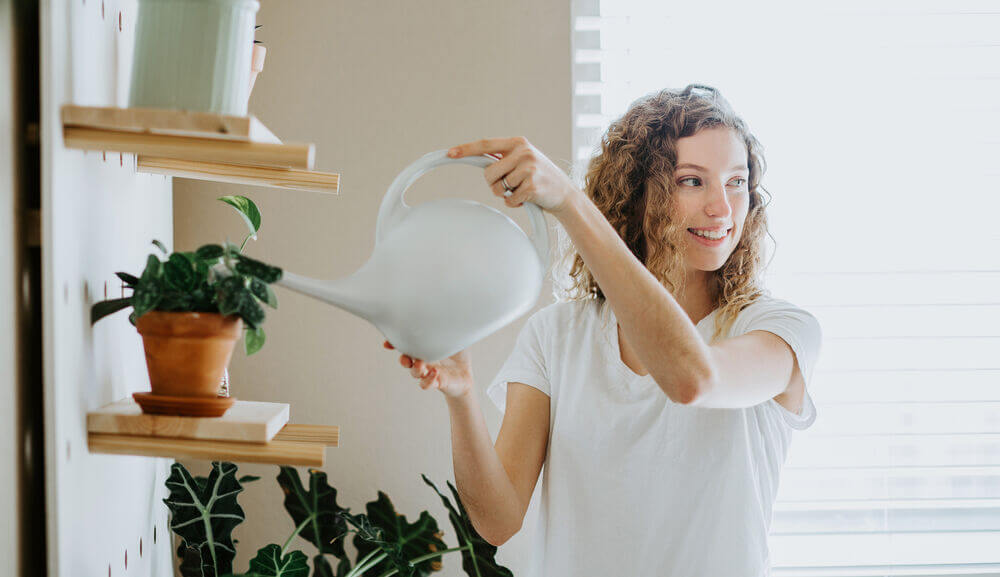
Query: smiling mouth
710,236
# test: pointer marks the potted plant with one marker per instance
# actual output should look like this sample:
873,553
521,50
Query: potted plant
190,309
193,55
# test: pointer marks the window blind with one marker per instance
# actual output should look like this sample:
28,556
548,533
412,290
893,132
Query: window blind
880,122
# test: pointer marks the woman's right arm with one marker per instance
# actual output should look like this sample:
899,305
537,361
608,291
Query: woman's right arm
495,482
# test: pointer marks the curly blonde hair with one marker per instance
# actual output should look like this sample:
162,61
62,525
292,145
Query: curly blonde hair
630,180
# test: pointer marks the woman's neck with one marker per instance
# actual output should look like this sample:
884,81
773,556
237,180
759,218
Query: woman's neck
697,298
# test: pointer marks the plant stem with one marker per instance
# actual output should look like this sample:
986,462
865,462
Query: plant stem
422,558
366,563
245,242
298,529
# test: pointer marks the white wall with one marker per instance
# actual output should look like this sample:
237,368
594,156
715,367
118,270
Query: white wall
376,85
98,216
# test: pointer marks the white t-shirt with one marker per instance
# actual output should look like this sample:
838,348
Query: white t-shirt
635,484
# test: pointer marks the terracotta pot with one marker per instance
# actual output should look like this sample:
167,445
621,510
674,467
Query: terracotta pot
186,353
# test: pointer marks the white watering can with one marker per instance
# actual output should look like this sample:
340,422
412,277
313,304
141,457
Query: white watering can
444,274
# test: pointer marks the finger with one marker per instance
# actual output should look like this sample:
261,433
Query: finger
520,175
485,146
521,186
517,177
418,369
405,361
499,169
428,380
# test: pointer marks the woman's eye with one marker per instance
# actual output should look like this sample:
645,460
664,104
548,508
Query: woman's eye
683,180
742,180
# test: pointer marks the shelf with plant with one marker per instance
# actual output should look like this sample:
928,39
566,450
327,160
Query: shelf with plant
387,544
190,308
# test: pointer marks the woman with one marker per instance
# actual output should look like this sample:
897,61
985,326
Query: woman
661,396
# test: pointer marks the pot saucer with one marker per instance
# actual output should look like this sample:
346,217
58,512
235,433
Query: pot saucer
186,406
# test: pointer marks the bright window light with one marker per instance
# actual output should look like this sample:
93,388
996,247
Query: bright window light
880,122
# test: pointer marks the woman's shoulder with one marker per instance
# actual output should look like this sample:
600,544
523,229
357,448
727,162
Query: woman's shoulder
768,309
768,303
566,314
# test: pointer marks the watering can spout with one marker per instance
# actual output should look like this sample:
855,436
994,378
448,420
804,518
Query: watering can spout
341,293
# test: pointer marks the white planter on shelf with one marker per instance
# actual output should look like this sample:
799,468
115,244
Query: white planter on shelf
193,55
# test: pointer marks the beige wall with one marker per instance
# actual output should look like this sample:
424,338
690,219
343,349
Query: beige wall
375,85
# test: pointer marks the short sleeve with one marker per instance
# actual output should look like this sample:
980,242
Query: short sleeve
803,333
526,364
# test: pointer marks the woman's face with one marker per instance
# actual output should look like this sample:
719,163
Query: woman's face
711,194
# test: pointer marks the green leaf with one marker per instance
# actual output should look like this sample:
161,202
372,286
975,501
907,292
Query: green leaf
160,246
325,528
105,308
209,252
231,294
264,292
129,280
415,540
145,297
179,272
265,272
253,340
191,562
394,558
204,513
175,301
480,561
247,209
146,294
270,563
252,313
153,269
248,479
321,567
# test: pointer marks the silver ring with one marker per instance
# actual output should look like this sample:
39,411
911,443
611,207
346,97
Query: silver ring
506,187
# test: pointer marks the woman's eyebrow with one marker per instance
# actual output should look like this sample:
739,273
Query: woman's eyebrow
703,169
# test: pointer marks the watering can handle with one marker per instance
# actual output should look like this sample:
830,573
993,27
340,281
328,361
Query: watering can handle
393,208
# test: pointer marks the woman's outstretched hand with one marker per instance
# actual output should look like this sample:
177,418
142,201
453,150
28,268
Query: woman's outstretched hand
530,174
451,376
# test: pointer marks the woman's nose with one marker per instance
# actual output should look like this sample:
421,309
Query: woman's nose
717,203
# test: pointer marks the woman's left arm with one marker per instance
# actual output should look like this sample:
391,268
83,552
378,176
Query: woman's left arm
738,372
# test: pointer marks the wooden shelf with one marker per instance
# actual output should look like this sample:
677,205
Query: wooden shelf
164,121
310,180
197,145
249,432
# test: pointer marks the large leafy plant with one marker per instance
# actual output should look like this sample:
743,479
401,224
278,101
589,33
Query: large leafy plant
204,511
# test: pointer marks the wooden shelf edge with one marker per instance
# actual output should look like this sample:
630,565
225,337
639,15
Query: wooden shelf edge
301,156
169,121
328,435
277,452
291,178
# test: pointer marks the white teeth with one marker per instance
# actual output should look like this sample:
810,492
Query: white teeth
710,235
